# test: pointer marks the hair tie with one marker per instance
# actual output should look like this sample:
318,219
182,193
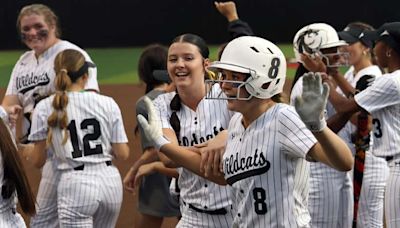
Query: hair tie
64,70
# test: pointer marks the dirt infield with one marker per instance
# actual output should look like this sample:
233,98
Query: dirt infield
125,96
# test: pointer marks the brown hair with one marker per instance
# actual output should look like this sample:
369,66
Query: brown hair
39,9
66,61
14,174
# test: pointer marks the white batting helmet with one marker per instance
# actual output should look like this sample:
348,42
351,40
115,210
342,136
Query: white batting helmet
261,59
312,38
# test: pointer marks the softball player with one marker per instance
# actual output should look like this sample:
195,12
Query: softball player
267,138
155,201
376,171
189,119
12,177
85,130
381,100
316,48
31,80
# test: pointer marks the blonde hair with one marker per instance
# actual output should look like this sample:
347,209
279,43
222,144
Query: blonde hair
50,17
66,61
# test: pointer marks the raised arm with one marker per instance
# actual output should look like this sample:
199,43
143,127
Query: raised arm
310,106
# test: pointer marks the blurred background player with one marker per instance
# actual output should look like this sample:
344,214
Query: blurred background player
318,48
381,101
370,171
155,201
14,182
31,80
85,130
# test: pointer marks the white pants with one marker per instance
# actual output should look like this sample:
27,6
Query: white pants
392,196
46,199
370,205
91,197
331,197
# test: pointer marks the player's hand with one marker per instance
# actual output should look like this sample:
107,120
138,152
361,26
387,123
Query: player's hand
13,113
152,127
146,170
313,63
227,9
129,179
311,104
211,153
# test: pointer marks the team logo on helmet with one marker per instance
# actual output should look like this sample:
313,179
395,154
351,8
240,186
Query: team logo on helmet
309,41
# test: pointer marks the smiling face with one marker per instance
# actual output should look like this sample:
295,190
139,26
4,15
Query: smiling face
186,66
356,52
36,33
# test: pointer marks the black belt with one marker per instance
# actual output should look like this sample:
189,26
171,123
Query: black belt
221,211
389,158
82,167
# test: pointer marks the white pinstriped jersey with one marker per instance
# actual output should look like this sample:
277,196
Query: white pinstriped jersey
34,77
349,128
197,126
260,163
94,122
382,101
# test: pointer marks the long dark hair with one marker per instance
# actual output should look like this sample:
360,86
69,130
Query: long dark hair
175,104
14,174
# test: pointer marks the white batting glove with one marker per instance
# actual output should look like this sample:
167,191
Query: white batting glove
311,104
152,128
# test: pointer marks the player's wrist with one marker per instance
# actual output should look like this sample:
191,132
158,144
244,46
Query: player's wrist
160,141
316,125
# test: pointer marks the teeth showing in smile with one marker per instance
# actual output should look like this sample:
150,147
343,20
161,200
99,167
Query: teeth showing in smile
182,74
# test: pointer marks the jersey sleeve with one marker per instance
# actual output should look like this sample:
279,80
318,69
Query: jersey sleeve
238,28
39,125
161,105
384,92
295,138
12,85
118,134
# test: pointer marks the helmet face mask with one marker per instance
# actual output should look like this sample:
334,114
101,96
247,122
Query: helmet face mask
262,60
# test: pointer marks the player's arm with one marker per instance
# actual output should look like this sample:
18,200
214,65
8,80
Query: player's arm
310,106
180,155
169,162
154,167
149,155
35,153
120,150
331,150
236,27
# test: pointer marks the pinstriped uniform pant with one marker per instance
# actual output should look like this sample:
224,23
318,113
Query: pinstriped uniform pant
91,197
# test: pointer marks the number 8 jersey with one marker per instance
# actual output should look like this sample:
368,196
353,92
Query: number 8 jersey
259,163
94,122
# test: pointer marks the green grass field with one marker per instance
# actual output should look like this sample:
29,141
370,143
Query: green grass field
115,65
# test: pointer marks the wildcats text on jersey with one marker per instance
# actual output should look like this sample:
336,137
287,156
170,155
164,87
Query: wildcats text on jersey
186,141
240,168
30,81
